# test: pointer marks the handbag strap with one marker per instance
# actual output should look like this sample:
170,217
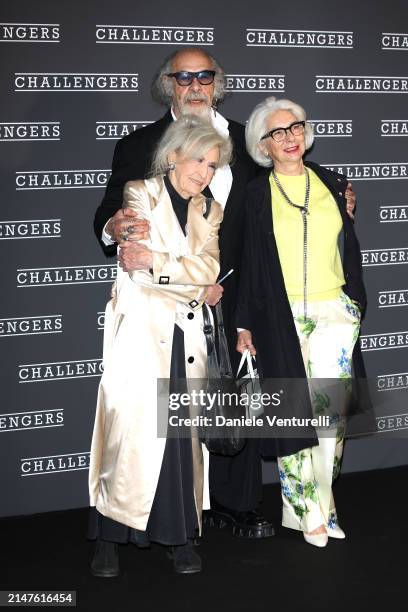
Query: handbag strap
212,360
222,367
246,357
225,362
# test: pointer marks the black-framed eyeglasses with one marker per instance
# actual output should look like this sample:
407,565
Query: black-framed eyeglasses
185,78
279,134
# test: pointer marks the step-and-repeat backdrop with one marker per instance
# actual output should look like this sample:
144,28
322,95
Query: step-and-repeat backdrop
75,77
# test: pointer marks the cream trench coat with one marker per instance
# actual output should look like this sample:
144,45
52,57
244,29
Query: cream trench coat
126,454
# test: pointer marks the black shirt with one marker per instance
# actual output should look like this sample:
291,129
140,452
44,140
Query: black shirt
180,205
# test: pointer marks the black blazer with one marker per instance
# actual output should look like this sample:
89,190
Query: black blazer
132,160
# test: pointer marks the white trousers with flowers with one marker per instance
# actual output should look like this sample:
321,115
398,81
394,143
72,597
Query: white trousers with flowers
327,339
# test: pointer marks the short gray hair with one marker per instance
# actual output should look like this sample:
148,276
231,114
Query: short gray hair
193,137
162,87
256,126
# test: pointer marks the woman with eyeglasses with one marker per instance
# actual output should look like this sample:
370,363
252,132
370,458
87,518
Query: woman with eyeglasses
301,301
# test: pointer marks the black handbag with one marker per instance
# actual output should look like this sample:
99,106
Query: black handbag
221,439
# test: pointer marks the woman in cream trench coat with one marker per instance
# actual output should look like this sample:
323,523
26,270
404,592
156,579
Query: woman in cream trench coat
126,452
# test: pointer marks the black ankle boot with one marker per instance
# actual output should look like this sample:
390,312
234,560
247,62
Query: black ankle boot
105,562
185,559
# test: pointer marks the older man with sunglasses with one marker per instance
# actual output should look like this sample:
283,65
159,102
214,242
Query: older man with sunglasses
191,80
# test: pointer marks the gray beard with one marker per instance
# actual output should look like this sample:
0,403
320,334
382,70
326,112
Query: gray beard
201,111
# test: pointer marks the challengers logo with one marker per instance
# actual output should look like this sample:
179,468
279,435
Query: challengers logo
382,342
28,180
76,81
113,130
313,39
326,83
394,127
100,321
54,464
68,275
32,419
332,128
249,83
32,228
392,41
30,32
393,298
384,257
30,326
21,131
371,172
392,382
59,370
397,213
154,35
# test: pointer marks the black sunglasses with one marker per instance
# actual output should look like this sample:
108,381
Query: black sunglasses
279,134
185,78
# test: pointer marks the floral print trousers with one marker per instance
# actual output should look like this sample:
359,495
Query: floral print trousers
327,338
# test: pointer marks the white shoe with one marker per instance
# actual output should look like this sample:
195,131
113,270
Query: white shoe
317,539
335,532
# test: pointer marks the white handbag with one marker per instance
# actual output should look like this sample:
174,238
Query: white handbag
249,387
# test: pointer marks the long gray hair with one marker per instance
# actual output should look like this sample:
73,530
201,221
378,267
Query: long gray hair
193,137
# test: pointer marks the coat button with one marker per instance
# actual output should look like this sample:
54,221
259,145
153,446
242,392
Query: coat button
190,315
340,193
190,360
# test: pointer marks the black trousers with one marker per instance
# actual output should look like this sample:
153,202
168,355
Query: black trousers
236,482
173,517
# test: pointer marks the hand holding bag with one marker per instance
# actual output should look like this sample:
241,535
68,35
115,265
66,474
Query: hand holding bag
249,386
221,439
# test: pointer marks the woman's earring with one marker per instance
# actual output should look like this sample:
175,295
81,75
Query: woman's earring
263,150
171,166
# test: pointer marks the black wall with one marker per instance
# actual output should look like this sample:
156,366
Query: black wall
62,82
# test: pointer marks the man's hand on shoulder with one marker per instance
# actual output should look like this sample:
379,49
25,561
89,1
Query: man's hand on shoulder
351,200
125,225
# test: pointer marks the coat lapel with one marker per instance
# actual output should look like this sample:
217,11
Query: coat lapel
198,228
337,187
263,203
165,219
167,225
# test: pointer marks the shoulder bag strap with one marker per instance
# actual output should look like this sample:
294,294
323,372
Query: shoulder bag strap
212,361
225,362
